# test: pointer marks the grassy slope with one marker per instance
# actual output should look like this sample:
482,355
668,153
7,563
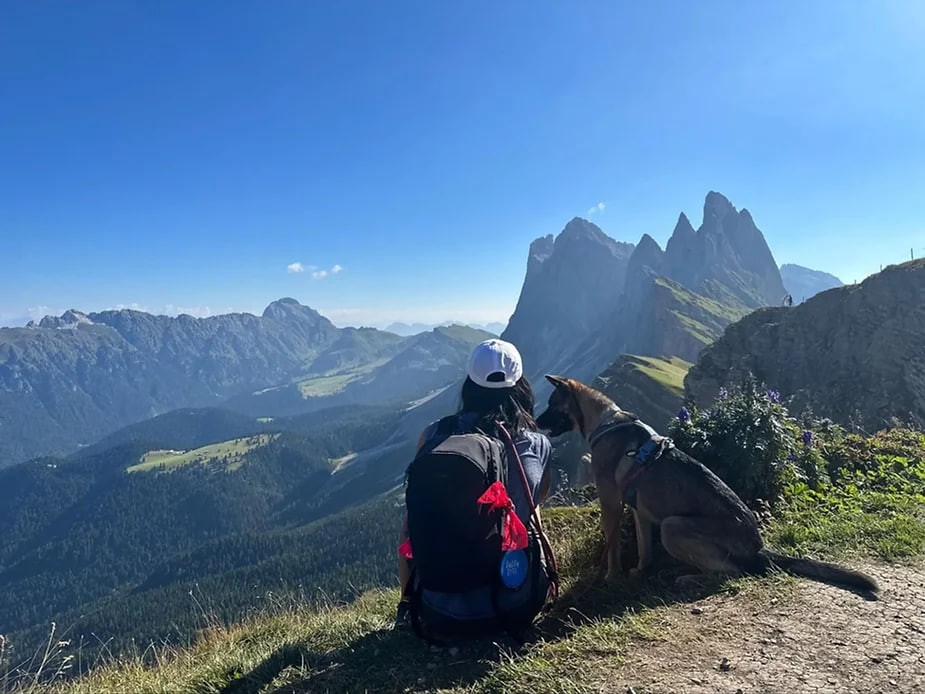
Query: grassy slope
231,453
701,317
668,373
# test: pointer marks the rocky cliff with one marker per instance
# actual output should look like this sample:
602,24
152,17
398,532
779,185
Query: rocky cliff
573,284
855,354
728,254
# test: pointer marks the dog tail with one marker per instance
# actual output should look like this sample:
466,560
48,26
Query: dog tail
820,571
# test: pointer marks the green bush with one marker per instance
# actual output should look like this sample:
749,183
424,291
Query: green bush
833,492
749,439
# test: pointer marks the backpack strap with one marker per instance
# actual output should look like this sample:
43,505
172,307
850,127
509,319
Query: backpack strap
553,571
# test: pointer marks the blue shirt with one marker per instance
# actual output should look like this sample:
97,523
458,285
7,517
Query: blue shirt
535,451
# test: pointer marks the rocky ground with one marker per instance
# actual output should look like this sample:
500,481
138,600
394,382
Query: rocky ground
815,639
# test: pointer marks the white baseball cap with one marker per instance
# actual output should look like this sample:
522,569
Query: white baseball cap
495,364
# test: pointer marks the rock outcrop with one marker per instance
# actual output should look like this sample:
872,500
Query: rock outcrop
855,354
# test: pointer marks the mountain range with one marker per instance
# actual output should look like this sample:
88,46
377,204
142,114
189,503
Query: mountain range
586,298
72,379
408,329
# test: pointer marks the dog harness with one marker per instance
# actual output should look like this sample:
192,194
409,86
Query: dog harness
653,447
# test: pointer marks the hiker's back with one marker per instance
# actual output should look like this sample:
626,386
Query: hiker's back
462,486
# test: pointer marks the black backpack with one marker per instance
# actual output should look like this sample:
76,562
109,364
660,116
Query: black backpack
457,542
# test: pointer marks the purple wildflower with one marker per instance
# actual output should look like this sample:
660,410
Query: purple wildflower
723,394
773,396
791,457
807,438
684,415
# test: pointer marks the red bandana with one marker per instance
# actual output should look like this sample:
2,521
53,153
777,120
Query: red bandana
514,534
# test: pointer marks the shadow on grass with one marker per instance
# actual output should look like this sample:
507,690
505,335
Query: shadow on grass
389,660
386,660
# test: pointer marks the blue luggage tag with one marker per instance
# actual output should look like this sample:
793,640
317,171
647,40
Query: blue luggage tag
514,566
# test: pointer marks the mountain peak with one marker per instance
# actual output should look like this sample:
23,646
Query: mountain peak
716,207
69,319
683,227
541,248
803,283
647,245
580,228
287,307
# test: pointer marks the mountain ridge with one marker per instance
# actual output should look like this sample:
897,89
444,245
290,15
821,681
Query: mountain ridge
70,380
580,309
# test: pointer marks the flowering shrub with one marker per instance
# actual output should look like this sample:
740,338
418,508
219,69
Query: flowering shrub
749,439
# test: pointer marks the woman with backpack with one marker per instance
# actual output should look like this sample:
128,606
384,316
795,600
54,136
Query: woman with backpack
473,557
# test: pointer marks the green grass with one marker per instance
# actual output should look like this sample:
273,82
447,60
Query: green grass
728,312
331,383
326,385
839,522
695,328
231,453
668,373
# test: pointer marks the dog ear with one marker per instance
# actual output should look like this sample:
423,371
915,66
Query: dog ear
557,381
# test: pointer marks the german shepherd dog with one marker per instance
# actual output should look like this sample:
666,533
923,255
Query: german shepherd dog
702,522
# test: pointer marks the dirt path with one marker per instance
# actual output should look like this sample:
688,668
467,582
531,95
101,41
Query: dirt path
819,639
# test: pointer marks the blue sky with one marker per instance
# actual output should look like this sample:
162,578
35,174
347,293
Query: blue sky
181,156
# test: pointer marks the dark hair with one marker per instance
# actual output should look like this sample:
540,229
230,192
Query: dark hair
513,406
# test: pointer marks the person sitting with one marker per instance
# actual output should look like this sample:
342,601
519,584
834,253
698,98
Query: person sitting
496,403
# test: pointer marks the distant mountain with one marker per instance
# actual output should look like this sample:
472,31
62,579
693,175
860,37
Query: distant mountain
853,354
802,283
572,285
70,380
409,329
409,369
727,256
586,298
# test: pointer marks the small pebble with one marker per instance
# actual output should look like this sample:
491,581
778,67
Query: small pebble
696,610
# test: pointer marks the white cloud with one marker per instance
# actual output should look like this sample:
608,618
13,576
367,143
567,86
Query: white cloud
599,207
295,267
321,274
